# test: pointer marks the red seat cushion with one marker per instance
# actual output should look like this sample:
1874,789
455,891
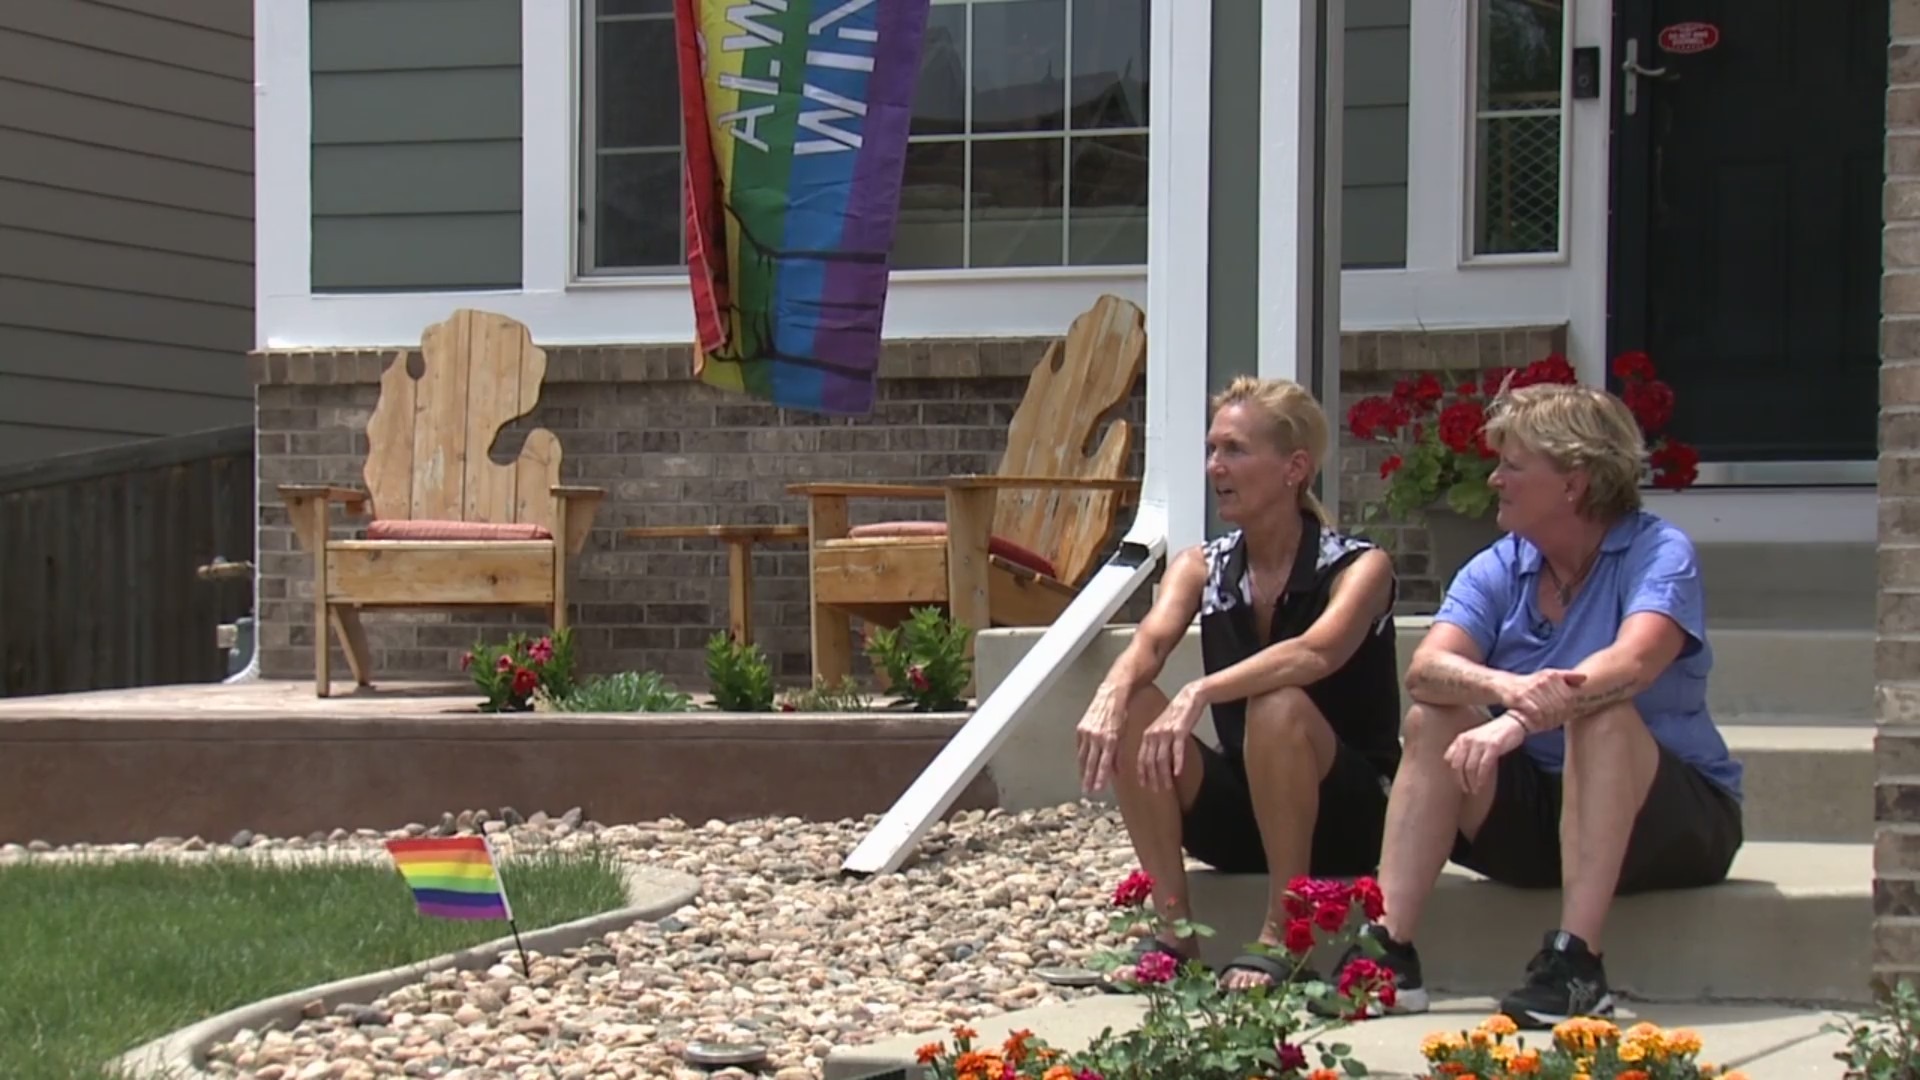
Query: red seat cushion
996,545
402,529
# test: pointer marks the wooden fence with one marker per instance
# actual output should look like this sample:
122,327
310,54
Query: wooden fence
98,553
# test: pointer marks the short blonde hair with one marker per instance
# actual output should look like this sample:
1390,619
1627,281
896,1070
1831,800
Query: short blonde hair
1295,421
1577,427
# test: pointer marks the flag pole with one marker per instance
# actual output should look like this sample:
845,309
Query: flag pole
526,969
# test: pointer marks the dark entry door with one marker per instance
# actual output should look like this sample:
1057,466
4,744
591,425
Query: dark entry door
1746,230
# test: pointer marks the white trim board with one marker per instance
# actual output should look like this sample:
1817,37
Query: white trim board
1772,516
1433,291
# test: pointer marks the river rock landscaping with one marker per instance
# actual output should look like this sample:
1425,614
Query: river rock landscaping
778,949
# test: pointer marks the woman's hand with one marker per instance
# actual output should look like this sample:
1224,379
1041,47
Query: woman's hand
1545,697
1475,754
1098,737
1163,747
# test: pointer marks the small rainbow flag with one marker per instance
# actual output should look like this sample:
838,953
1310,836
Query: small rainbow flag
453,877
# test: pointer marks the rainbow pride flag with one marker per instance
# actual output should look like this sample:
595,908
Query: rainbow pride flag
796,117
453,877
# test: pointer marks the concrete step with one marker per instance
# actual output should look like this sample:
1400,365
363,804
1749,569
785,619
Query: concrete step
1822,673
1767,1041
1791,585
1805,782
1807,744
1690,945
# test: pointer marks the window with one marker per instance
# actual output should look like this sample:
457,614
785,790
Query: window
634,220
1519,143
1028,145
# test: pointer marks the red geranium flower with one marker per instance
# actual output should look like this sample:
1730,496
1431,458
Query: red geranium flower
1632,365
1460,425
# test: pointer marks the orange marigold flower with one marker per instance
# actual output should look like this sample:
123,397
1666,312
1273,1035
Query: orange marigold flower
927,1053
1323,1074
962,1031
1525,1063
1499,1024
1015,1048
975,1061
1439,1044
1059,1072
1734,1075
1633,1074
1683,1041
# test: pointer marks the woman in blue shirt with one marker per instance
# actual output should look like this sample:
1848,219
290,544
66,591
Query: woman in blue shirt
1559,732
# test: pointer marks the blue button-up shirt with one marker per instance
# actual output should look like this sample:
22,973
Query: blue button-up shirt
1645,564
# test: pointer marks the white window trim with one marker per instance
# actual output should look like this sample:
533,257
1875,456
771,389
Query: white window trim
1435,290
1440,288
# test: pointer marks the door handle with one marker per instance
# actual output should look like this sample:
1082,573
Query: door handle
1634,71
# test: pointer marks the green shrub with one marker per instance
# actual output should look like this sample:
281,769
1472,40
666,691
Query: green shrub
627,692
740,676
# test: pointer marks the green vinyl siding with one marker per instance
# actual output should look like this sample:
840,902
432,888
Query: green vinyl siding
126,222
1373,199
416,144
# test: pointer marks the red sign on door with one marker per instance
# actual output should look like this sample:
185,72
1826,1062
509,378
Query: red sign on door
1689,37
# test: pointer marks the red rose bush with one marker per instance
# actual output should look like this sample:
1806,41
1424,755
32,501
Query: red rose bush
1196,1029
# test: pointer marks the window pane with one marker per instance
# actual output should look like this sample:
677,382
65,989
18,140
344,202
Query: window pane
1110,65
1107,221
639,97
940,101
1019,65
1520,51
931,231
1517,128
1017,202
637,212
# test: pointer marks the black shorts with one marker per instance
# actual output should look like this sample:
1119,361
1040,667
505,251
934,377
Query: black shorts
1220,829
1685,836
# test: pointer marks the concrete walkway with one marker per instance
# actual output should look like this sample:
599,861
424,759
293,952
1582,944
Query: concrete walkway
1769,1042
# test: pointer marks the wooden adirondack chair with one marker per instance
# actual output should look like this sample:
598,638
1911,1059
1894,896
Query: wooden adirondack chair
450,527
1016,545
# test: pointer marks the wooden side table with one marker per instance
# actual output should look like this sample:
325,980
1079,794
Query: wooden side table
739,540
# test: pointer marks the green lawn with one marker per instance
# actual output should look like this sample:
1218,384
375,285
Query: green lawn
97,958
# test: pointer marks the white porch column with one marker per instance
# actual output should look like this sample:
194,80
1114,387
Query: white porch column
1301,102
1179,106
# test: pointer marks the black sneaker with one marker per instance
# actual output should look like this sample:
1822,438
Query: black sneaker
1564,980
1409,989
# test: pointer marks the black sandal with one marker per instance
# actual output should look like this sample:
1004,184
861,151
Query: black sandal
1276,972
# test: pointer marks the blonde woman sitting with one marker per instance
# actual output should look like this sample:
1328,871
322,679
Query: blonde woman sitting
1559,733
1298,642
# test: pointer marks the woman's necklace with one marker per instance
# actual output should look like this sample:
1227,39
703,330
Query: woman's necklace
1566,589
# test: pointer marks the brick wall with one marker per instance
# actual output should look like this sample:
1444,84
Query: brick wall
1896,886
670,450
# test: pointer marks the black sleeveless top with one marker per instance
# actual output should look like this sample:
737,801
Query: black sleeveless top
1361,700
